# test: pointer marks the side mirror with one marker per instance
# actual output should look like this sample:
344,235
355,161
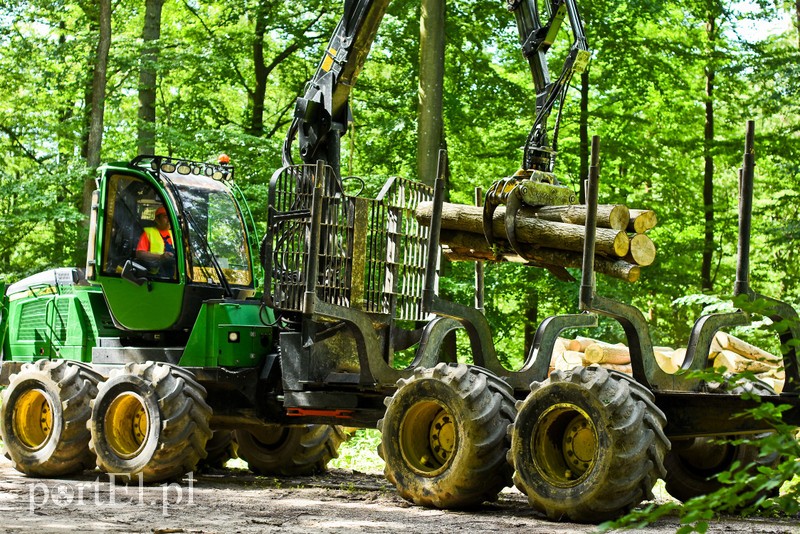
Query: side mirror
135,273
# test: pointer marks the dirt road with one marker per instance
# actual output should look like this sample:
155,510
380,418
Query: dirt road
235,501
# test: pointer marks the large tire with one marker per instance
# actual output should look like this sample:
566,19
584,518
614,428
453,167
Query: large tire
588,445
444,438
149,421
219,449
289,450
693,464
44,414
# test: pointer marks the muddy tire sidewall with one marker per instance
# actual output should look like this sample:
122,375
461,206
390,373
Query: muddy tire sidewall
68,390
477,470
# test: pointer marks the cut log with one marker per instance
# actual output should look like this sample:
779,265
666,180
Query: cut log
724,341
622,368
665,350
736,363
778,373
460,246
559,347
614,216
642,221
586,341
775,383
664,360
678,357
529,229
569,359
574,345
562,344
603,353
642,250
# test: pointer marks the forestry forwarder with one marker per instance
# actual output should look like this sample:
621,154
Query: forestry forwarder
129,371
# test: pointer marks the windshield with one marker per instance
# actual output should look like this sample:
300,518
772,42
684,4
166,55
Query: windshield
215,226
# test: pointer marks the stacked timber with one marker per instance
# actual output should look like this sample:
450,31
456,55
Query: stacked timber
737,356
550,236
727,353
584,351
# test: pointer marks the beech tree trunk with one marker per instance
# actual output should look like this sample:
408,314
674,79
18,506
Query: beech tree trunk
706,281
94,141
151,33
260,70
430,130
99,87
797,20
584,136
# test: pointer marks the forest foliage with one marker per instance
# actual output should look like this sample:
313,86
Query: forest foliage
228,74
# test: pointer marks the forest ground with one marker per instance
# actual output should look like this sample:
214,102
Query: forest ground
233,500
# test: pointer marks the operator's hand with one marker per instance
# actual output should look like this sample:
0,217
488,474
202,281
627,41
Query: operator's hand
167,256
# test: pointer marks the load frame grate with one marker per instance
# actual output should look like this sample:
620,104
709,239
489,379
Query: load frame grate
371,254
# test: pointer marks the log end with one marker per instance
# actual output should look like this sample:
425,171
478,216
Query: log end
619,217
621,245
642,250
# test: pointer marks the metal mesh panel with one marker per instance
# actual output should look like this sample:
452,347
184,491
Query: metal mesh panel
289,238
398,248
383,234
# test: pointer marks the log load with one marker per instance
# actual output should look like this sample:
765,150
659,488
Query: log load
605,353
461,246
724,341
571,353
548,236
738,356
616,216
727,351
529,228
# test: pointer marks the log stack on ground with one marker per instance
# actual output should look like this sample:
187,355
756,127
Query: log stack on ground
549,236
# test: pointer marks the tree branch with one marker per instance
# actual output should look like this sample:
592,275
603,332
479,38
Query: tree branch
27,152
211,34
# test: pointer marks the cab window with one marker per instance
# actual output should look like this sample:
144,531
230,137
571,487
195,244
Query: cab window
133,231
216,229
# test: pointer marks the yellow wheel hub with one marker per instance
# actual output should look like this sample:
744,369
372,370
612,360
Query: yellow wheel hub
564,444
443,436
428,438
33,419
127,425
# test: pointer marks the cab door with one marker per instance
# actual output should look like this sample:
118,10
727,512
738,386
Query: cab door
128,204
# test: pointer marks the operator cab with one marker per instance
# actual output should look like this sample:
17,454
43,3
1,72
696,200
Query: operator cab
169,235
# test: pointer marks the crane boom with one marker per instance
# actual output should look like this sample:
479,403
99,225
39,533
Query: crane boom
322,114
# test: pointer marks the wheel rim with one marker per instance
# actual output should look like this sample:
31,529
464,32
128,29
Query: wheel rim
33,419
127,425
564,445
428,438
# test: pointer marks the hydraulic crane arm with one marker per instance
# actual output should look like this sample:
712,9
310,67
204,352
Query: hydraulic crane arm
322,113
536,38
